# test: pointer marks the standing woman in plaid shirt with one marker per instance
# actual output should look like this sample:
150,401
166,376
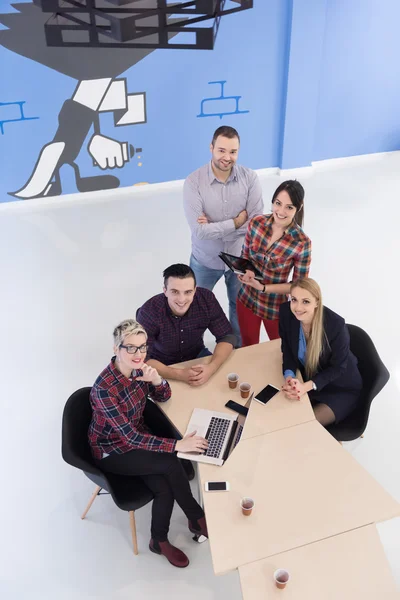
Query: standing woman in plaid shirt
122,443
276,245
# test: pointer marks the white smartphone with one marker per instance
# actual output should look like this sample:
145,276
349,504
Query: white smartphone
217,486
266,394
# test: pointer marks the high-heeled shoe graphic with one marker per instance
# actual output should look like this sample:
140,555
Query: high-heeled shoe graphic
77,116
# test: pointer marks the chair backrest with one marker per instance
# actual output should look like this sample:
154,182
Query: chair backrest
77,415
374,375
373,372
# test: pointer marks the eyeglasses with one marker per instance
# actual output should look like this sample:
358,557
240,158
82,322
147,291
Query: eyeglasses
134,349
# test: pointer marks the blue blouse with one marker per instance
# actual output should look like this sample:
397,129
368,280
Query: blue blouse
301,353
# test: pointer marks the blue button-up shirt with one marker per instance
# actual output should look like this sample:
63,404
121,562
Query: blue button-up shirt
221,202
301,353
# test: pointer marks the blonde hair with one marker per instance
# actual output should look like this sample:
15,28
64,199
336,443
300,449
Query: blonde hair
125,329
315,342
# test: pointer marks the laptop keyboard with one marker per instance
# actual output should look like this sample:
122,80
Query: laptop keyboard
216,436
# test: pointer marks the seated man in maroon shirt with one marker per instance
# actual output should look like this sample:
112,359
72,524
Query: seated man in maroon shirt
175,322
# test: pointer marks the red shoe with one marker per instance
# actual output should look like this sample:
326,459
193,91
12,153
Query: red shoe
201,527
176,557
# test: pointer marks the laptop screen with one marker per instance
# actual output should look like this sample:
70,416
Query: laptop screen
241,421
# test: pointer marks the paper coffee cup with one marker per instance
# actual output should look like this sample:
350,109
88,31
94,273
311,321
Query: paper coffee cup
281,578
245,389
233,379
247,505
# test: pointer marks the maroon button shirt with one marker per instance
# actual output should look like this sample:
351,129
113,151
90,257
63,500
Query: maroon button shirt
173,339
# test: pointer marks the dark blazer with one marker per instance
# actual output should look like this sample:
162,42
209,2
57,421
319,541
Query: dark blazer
337,365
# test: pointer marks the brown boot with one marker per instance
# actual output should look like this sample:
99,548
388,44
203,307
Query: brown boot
176,557
199,527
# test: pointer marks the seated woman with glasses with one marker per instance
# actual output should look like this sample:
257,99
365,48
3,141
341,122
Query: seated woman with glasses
316,341
121,442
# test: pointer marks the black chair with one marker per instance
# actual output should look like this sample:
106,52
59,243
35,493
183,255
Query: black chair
128,493
374,375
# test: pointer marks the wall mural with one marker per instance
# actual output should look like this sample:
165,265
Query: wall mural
16,111
77,117
221,101
94,42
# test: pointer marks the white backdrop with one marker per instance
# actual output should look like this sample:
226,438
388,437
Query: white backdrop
71,269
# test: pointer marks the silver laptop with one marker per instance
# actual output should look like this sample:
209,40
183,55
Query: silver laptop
222,431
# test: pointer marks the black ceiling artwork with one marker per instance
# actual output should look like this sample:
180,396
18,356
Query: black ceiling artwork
136,23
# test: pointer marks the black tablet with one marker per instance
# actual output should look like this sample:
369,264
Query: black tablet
240,265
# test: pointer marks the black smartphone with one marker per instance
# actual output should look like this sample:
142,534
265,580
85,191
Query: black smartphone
217,486
242,410
266,394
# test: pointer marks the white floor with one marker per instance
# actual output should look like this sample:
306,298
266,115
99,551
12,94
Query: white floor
71,271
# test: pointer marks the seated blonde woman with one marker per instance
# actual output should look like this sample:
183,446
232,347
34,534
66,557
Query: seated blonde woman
122,443
316,340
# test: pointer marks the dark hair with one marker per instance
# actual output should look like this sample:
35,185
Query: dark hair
225,131
180,271
296,193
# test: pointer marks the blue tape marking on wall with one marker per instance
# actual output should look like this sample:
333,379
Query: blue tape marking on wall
225,100
20,116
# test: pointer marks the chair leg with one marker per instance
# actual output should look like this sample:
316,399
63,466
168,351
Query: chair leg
133,531
92,499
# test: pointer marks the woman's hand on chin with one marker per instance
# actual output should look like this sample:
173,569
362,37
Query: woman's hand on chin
150,374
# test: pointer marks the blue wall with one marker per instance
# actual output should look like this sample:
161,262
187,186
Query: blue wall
304,56
248,55
359,108
319,80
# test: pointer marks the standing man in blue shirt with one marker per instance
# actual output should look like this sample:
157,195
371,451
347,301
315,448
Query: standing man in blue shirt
219,200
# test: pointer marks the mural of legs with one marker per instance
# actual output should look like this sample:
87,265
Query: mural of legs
76,118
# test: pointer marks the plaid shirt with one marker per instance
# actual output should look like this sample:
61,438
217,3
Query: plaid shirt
173,339
117,424
291,251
